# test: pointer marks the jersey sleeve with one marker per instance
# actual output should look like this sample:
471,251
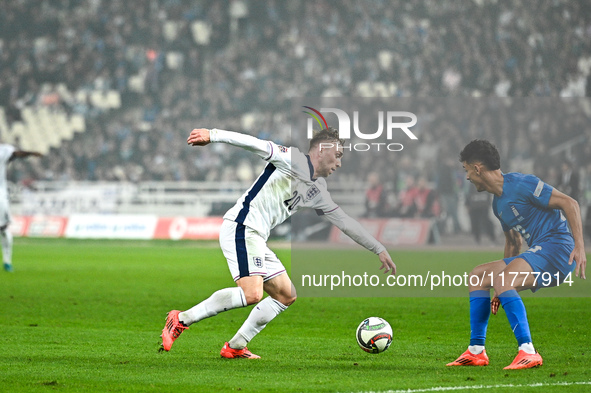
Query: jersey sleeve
281,156
278,155
354,230
325,206
536,191
260,147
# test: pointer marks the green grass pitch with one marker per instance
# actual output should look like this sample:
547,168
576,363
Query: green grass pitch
85,316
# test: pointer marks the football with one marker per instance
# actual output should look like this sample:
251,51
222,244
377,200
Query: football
374,335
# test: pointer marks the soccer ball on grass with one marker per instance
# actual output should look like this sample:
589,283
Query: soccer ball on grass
374,335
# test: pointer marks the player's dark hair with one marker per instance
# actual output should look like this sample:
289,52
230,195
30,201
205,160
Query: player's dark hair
483,151
329,134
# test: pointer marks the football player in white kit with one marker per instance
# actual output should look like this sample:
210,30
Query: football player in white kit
291,180
7,154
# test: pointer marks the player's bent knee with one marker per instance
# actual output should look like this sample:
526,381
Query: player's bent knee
500,284
288,301
253,296
253,299
285,300
293,294
478,279
291,298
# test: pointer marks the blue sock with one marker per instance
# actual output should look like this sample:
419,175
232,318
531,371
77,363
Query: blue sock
515,310
479,313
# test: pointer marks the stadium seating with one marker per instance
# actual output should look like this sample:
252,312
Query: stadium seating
120,93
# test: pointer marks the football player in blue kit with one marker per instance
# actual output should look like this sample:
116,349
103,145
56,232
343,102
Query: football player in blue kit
528,209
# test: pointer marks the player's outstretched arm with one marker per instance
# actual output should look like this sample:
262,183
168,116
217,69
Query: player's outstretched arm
355,231
199,137
204,136
572,212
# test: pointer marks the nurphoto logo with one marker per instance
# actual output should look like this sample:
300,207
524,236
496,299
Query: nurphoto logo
394,126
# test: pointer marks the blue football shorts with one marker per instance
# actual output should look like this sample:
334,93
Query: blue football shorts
550,260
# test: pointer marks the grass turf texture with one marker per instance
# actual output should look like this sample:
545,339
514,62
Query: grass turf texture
87,315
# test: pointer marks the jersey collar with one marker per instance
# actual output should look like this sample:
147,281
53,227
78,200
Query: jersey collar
311,167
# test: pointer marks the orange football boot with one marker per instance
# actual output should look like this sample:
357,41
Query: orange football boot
230,353
469,359
172,329
525,360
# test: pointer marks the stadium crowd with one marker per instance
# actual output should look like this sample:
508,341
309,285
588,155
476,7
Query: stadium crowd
238,65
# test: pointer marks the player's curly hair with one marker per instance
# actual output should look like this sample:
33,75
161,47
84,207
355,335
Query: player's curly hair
480,150
329,134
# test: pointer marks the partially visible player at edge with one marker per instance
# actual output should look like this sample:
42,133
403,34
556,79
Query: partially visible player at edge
530,209
7,154
291,180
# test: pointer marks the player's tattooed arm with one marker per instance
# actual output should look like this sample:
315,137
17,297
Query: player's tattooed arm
513,243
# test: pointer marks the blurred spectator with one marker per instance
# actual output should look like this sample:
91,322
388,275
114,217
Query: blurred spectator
570,180
417,200
426,200
179,63
448,191
479,208
375,197
407,199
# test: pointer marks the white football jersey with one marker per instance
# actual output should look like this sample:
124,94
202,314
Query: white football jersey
285,186
5,154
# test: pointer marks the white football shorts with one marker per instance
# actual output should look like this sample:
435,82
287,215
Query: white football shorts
247,253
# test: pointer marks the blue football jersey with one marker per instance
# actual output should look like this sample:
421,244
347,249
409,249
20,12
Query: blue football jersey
523,206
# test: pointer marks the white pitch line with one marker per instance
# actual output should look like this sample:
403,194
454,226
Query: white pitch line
451,388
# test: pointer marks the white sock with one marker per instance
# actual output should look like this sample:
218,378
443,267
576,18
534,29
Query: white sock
527,348
6,237
259,317
222,300
476,349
